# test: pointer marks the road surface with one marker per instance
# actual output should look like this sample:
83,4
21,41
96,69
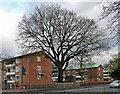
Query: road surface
93,89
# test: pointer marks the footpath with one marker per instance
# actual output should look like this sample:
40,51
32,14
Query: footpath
39,91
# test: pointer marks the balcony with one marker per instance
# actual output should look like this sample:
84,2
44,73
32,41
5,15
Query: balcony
79,80
106,74
107,77
10,73
41,74
79,76
11,81
55,77
10,65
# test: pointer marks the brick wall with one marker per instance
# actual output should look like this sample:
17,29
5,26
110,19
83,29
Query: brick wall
30,63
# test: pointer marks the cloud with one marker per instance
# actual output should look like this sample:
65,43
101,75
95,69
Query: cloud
9,17
105,56
8,24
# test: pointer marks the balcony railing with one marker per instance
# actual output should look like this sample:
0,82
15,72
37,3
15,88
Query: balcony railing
106,74
11,81
10,73
10,65
107,77
79,76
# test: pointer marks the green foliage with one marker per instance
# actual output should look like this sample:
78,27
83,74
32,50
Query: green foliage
114,66
116,73
113,63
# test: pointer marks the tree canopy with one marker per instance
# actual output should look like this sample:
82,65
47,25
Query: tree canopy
60,33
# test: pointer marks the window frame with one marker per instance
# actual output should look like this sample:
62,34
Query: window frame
17,69
5,77
17,60
39,69
39,59
16,77
38,77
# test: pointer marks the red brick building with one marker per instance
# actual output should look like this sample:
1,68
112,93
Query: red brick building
107,76
91,73
38,69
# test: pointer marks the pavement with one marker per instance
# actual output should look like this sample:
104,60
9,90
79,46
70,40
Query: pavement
93,89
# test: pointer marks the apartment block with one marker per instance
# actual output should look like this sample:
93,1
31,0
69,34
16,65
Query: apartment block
29,68
106,74
91,73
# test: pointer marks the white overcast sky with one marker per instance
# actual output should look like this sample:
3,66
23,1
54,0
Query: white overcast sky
11,12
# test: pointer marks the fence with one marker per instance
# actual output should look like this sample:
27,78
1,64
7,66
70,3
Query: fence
50,85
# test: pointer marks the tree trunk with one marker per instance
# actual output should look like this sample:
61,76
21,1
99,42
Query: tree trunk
60,75
81,77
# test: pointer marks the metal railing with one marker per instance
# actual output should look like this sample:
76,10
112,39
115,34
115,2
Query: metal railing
68,85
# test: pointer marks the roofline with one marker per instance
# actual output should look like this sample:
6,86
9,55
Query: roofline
22,55
79,68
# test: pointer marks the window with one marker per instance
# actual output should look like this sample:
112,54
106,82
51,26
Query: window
86,79
99,74
74,75
85,70
17,68
17,77
5,70
39,69
17,60
86,74
39,77
98,68
38,59
68,74
5,78
4,63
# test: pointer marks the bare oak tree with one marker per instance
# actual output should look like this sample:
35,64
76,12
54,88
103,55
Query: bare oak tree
60,33
112,10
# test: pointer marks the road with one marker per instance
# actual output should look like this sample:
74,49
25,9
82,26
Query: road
93,89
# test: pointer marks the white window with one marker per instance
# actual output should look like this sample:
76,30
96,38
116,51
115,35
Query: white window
99,74
85,70
39,69
4,63
5,78
39,77
74,75
98,68
38,59
17,60
17,68
86,79
17,77
5,70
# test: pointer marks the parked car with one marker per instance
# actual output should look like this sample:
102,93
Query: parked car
115,83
